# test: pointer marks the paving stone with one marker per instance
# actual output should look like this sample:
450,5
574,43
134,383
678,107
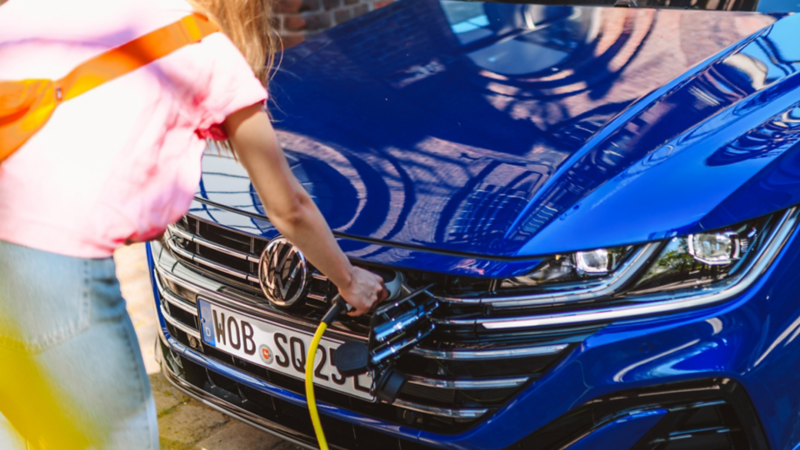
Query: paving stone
288,446
239,436
166,395
132,271
167,444
190,423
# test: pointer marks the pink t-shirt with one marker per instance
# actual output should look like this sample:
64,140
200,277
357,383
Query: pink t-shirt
122,161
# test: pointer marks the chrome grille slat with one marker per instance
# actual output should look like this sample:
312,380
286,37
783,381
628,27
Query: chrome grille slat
177,324
176,301
466,413
173,299
499,353
249,257
208,263
317,297
498,383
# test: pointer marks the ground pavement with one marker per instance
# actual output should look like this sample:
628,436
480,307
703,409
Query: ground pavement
183,423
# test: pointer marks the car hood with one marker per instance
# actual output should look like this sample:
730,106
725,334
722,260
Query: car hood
516,130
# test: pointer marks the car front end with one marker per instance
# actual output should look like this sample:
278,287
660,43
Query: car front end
601,202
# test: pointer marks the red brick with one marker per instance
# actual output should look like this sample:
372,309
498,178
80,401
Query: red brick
331,4
288,6
351,2
381,4
343,15
294,23
360,9
318,21
311,5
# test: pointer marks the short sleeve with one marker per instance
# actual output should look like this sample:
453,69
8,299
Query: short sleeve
228,85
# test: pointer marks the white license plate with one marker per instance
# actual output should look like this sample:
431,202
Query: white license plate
277,348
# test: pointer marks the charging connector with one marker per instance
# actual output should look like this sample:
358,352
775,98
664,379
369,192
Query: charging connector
396,327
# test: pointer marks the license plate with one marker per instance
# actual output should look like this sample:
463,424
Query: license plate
277,348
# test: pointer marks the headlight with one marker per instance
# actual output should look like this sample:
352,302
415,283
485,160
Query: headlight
658,277
570,267
705,258
696,261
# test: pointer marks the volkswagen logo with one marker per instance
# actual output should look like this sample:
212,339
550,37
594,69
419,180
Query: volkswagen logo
283,273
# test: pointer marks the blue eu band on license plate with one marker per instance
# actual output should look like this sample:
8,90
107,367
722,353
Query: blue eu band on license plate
276,347
206,323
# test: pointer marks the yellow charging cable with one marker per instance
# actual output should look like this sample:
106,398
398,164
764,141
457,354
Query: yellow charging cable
312,402
338,307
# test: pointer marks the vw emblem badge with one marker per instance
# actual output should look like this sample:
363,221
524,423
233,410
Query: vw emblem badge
283,273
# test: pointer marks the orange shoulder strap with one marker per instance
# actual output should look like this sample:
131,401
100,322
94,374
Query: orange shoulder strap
26,106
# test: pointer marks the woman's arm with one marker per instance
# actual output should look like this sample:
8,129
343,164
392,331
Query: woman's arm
292,211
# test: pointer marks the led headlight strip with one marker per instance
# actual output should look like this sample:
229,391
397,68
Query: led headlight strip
655,303
566,294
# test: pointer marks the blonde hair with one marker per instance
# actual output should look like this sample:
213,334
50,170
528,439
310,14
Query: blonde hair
248,23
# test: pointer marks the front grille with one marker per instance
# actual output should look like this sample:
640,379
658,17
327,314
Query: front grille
456,378
234,257
711,414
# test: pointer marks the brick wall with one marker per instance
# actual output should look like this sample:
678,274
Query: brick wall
299,19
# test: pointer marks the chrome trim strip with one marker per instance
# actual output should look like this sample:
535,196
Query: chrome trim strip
249,257
319,276
657,303
174,299
234,411
257,312
317,297
602,288
178,302
468,384
190,331
443,412
541,350
208,263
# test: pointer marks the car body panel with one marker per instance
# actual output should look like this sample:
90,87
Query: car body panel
472,145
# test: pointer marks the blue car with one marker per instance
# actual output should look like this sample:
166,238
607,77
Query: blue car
601,203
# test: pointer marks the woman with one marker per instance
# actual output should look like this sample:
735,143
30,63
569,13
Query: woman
117,165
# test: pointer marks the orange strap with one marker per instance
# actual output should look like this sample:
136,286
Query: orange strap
26,106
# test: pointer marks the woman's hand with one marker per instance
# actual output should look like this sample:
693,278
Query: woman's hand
365,290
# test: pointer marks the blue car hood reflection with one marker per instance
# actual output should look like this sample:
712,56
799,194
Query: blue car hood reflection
517,130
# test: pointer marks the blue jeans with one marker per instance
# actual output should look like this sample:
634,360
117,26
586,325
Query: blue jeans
68,340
